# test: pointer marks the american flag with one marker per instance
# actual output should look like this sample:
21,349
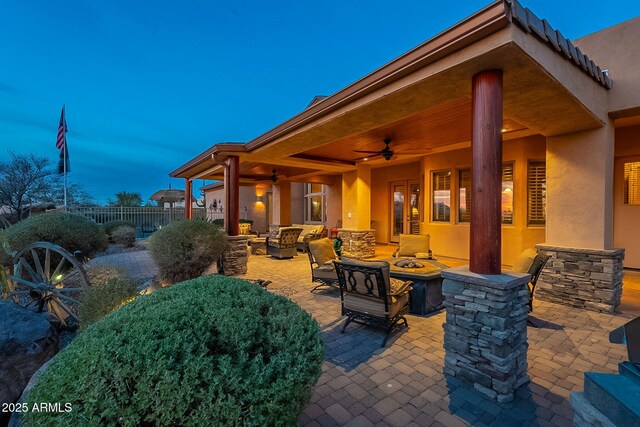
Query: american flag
62,132
61,144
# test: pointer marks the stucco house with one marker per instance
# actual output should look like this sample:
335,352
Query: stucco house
559,118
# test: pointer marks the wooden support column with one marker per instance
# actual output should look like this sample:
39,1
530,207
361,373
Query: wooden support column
232,195
188,199
486,143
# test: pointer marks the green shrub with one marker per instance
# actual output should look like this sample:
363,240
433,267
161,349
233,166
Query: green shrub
72,232
110,288
124,235
109,226
5,249
185,249
210,351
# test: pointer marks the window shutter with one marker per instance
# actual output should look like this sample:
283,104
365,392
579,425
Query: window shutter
464,202
536,193
442,196
507,193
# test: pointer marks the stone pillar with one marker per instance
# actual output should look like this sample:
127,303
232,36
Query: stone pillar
281,206
188,199
485,332
235,255
585,278
358,243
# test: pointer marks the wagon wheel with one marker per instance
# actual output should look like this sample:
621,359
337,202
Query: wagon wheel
48,277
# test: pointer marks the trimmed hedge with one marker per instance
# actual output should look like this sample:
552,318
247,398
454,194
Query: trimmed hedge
210,351
110,226
185,249
124,235
72,232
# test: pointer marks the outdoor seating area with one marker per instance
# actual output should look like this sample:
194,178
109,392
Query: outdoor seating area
404,382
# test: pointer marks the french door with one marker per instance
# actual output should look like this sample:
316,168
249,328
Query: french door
405,208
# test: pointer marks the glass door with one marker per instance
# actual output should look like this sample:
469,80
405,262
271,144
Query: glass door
405,208
398,212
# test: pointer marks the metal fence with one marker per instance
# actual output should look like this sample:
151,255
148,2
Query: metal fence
147,219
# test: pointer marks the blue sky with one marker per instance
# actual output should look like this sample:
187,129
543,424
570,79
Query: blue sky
150,84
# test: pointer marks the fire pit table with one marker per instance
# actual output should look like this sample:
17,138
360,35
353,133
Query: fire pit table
426,296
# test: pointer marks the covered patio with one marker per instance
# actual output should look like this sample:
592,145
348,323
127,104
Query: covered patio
493,136
404,384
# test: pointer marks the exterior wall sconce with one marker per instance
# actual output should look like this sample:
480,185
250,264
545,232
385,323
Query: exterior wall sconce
258,199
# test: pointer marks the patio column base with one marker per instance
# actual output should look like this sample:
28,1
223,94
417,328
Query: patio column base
235,255
485,332
358,243
584,278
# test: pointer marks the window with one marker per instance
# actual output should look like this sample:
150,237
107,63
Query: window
464,192
632,183
536,193
507,193
442,196
314,203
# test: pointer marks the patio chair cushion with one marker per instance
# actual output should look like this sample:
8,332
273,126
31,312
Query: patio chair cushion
374,306
412,244
322,250
245,228
325,273
308,228
524,261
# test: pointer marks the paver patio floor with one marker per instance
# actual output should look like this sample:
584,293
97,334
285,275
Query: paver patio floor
403,384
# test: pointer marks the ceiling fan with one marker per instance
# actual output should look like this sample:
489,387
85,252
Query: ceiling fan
273,177
386,153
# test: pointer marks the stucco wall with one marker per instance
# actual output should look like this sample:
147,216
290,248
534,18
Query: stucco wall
297,203
579,189
626,218
617,49
452,239
334,202
255,210
381,179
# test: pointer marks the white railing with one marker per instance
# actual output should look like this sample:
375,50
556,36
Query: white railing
146,219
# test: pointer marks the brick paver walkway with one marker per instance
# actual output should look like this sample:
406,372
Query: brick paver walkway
403,384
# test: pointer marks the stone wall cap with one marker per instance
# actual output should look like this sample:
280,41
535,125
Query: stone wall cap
240,237
506,280
604,252
354,230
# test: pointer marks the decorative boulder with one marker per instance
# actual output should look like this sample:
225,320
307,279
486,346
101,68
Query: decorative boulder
27,341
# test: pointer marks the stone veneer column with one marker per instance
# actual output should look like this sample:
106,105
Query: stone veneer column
485,333
234,257
358,243
585,278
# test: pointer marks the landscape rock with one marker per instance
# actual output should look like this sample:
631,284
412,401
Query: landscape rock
27,341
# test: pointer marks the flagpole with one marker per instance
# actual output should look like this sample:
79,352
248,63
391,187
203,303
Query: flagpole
64,156
65,161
